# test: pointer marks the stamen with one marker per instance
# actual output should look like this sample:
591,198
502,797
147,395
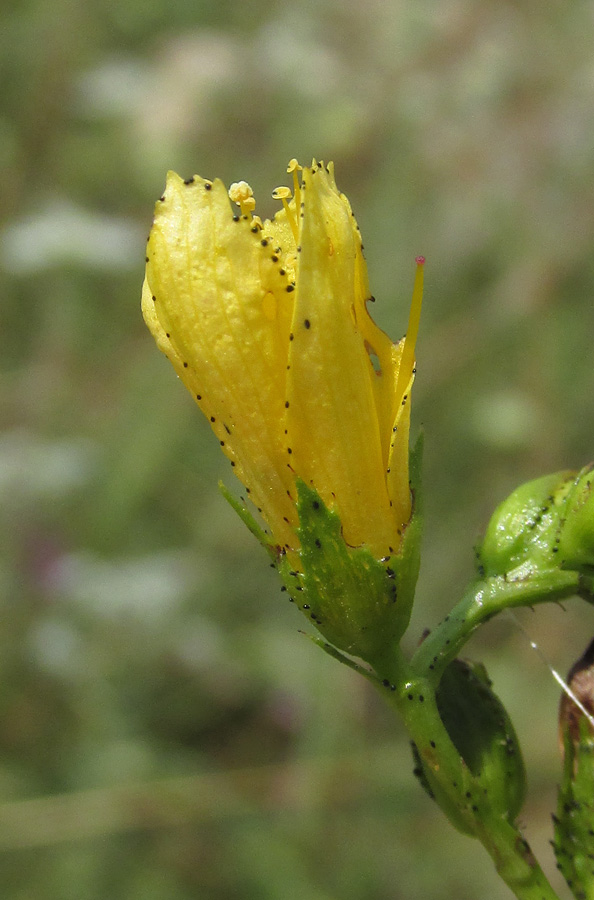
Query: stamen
284,194
407,360
243,196
281,193
293,169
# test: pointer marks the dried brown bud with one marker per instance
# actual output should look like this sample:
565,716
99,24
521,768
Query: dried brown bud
580,681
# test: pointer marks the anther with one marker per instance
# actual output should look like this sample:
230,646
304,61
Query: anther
243,196
283,194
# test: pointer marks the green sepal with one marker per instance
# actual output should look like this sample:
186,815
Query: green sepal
349,595
360,604
482,733
345,660
248,520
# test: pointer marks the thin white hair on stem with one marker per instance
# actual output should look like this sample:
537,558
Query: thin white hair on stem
558,678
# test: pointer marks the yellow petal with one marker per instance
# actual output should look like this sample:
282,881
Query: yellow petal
267,325
334,440
398,483
218,306
398,475
384,354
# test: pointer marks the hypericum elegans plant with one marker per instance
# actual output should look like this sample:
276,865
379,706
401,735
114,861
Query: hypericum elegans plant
267,324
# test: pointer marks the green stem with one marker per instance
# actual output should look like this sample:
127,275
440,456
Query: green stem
411,688
481,602
516,864
414,698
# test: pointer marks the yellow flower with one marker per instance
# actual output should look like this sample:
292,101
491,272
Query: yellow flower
266,323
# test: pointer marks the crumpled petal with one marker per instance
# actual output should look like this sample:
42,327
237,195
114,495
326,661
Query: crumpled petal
338,435
267,325
219,309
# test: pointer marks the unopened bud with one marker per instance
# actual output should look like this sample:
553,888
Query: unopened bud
482,732
524,529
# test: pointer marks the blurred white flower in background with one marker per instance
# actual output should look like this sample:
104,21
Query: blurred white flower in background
60,233
33,466
145,586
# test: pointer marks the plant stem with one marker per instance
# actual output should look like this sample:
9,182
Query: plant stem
482,601
515,862
414,697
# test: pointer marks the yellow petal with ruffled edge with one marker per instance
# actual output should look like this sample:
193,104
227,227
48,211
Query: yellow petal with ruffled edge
218,307
267,325
338,436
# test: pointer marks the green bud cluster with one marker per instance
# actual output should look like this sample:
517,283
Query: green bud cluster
545,524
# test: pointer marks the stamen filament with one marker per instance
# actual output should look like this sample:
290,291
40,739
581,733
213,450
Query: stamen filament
283,194
294,168
291,220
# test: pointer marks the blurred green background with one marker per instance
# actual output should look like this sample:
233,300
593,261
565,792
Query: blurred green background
165,731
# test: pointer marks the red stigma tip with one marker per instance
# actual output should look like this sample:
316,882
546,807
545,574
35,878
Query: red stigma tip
420,260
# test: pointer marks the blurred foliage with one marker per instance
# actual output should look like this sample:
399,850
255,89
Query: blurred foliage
165,732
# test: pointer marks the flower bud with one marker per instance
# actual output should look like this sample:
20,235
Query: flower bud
266,323
482,732
546,524
524,532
